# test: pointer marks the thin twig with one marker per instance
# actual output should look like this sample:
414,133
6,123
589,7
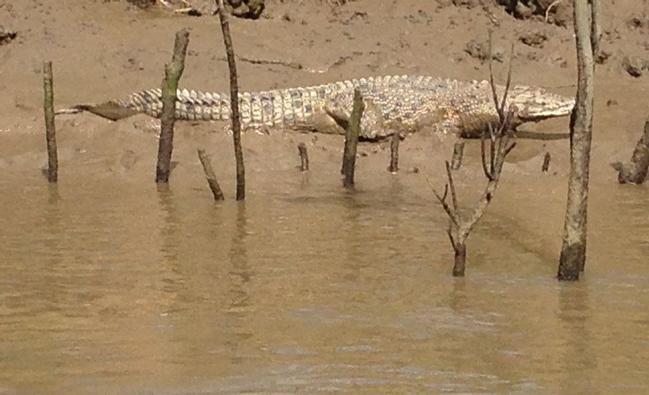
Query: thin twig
451,185
547,10
483,154
450,237
454,216
501,112
509,149
492,149
491,76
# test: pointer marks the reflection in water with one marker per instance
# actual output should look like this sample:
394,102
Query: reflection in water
458,297
577,357
53,226
170,226
328,291
350,236
240,276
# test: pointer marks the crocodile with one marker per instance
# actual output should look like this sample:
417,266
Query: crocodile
393,104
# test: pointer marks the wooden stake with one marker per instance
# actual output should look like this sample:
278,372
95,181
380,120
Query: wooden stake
50,128
351,140
458,154
173,72
209,174
546,162
234,102
304,157
394,153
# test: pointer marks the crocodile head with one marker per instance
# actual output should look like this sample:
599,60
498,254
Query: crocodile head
536,104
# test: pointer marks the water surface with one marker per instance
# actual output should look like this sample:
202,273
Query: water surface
111,287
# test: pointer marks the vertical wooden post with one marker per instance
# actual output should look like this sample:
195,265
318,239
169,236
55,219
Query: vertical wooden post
351,140
546,162
304,157
394,153
458,154
573,249
234,102
209,174
173,72
50,128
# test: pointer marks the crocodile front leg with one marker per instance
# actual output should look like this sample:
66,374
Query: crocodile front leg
373,126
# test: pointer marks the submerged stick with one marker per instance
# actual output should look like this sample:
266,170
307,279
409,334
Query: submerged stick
304,157
173,72
50,128
234,101
351,140
394,153
546,162
210,175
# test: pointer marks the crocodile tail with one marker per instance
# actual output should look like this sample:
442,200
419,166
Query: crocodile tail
254,108
190,105
269,108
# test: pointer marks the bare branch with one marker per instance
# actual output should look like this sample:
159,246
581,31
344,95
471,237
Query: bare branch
451,184
453,215
483,153
509,116
509,149
492,149
547,10
501,110
450,237
441,198
491,74
499,147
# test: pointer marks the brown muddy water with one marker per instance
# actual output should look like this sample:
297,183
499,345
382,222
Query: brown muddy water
111,286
